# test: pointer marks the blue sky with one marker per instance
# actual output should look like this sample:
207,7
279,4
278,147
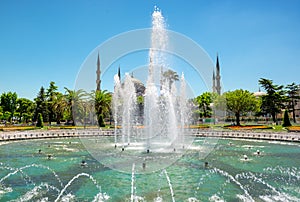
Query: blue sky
43,41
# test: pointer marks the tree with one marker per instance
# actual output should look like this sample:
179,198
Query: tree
7,116
59,104
9,104
41,105
204,104
239,102
40,122
1,113
102,105
286,119
25,108
293,96
170,77
51,95
272,103
74,101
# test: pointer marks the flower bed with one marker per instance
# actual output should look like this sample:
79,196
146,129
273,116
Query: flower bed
199,126
17,128
293,129
248,127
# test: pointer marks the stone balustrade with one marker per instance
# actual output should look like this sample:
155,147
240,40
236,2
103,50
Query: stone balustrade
37,134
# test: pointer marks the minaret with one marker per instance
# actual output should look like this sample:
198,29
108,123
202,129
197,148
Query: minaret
214,82
161,77
98,72
218,77
119,73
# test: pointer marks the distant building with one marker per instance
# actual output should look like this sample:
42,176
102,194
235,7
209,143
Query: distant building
139,86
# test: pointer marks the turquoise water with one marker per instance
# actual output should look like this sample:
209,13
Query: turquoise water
27,175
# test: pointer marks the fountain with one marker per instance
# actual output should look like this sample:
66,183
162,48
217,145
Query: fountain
153,160
158,135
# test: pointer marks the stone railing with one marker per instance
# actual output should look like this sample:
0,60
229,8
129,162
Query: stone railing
37,134
295,137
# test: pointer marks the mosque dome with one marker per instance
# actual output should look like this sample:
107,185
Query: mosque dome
139,86
259,94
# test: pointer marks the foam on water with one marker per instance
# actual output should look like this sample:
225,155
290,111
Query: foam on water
30,166
216,198
37,192
170,185
75,178
225,174
266,183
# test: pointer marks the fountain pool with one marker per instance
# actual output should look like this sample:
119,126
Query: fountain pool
28,175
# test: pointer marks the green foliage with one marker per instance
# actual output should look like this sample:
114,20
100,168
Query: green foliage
74,103
239,102
40,122
25,109
6,116
286,119
140,99
204,102
102,105
41,105
9,104
101,121
59,104
273,102
292,98
50,96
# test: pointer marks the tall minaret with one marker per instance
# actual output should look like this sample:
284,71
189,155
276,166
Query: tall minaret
218,77
214,82
98,72
119,73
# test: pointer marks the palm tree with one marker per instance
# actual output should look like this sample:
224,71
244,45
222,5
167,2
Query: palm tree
74,102
170,77
59,104
102,104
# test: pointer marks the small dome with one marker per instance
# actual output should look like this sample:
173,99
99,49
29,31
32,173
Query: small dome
259,94
139,86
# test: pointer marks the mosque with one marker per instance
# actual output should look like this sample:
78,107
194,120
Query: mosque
216,83
140,87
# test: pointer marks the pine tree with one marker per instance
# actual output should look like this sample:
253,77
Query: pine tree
286,119
41,105
273,102
40,123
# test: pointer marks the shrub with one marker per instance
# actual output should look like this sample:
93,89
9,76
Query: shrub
40,122
101,121
286,119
